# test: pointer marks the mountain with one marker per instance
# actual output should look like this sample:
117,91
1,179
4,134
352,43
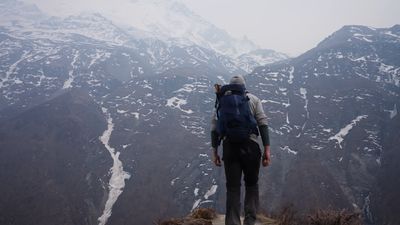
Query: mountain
138,88
249,61
91,49
52,163
333,112
169,21
173,22
104,127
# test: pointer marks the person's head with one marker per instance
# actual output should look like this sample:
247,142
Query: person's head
237,79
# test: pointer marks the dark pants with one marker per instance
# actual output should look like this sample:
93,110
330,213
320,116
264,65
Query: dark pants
241,158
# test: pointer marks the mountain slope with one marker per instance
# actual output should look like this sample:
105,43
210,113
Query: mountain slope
329,109
54,152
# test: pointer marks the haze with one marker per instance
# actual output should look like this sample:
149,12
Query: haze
288,26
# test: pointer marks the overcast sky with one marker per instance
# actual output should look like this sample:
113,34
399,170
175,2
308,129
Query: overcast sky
289,26
294,26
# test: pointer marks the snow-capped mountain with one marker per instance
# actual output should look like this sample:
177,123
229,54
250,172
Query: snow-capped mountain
259,57
33,24
61,46
178,25
173,22
333,116
104,128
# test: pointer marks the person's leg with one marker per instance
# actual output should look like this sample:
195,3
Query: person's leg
233,174
251,167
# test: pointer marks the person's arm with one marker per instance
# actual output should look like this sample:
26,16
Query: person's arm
261,119
266,159
215,140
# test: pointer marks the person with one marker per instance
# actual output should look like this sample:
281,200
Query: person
242,157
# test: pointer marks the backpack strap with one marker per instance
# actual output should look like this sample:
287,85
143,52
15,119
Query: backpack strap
217,88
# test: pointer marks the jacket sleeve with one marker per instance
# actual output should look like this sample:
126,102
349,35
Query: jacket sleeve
214,134
261,118
264,133
258,111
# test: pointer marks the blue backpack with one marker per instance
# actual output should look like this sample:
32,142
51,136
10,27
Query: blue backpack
234,118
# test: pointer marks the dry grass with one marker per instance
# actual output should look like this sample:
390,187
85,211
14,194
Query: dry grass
322,217
171,222
330,217
185,221
202,216
204,213
287,216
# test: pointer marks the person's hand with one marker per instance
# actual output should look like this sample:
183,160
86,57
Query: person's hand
216,158
266,157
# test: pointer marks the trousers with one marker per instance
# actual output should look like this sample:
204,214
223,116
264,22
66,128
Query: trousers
241,158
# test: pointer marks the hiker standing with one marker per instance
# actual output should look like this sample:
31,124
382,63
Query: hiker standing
238,120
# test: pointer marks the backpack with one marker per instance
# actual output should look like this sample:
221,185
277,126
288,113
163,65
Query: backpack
234,118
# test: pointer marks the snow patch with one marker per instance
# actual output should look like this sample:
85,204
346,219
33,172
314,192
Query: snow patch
339,137
196,204
186,88
121,111
12,69
174,180
393,35
71,77
288,150
303,93
291,71
176,103
362,37
210,192
118,175
392,112
98,55
222,79
135,114
275,102
393,74
125,146
287,118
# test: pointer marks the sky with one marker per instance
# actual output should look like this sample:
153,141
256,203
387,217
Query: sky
289,26
294,26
